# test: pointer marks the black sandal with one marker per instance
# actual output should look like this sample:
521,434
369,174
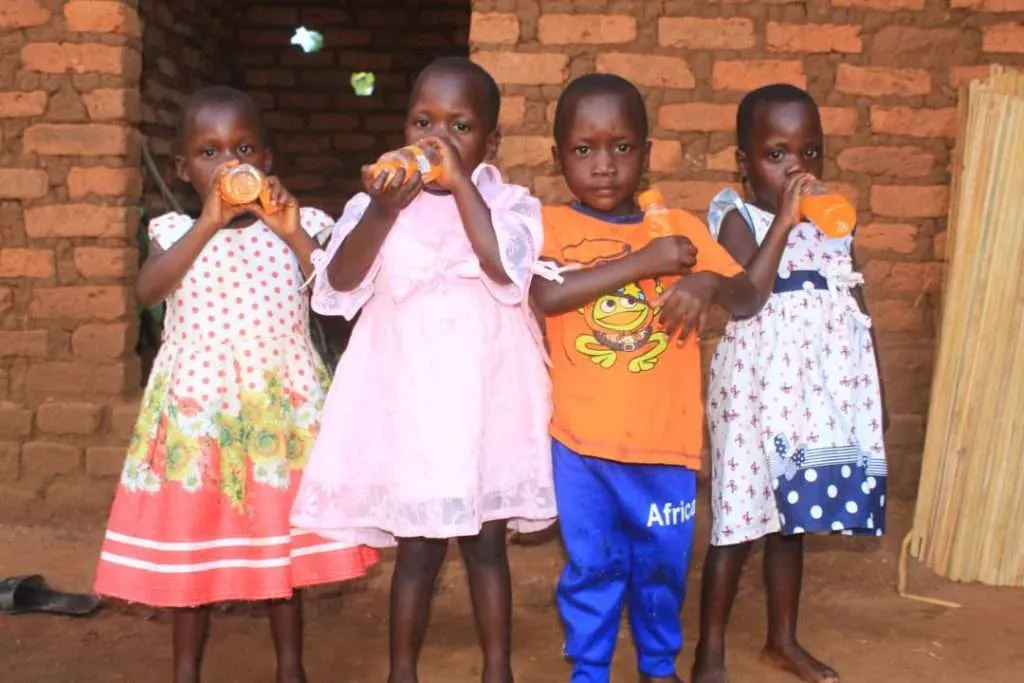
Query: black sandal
28,594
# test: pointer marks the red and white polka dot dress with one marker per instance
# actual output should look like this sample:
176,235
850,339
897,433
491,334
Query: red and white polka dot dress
224,431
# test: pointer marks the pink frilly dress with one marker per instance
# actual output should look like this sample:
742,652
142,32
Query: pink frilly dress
437,419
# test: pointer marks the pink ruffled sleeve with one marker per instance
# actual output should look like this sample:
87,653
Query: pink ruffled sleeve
329,301
516,217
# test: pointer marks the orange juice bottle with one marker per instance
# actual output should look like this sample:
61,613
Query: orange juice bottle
245,184
828,210
411,158
656,214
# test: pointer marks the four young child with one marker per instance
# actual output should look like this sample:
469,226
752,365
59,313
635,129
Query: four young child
248,478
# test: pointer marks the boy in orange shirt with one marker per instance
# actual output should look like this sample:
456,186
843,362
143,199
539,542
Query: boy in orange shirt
627,427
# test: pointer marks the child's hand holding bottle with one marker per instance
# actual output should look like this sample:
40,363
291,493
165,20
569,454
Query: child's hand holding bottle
789,212
669,255
282,213
217,211
391,192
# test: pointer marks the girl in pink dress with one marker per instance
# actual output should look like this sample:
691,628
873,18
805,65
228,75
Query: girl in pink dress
436,425
231,409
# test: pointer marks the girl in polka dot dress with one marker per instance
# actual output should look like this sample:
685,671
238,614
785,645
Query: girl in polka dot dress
231,409
794,400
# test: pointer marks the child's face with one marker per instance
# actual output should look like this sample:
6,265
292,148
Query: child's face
603,153
786,138
452,105
215,134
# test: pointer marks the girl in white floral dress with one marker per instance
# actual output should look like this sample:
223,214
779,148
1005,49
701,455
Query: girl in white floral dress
794,400
232,406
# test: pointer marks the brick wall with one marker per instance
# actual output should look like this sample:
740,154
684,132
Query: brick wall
886,73
69,185
322,132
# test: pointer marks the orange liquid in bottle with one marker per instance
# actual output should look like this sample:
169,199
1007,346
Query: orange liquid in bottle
656,214
411,158
831,212
245,184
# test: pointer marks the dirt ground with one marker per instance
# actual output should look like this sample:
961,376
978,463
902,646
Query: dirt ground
852,618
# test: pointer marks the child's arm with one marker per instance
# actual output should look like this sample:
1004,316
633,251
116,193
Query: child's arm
762,263
685,307
164,269
672,255
357,253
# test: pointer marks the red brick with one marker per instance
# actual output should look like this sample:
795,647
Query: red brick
525,69
692,33
31,263
666,155
106,263
910,201
15,422
105,182
89,139
750,74
905,430
917,123
266,14
44,458
123,418
692,195
875,81
104,461
513,109
112,104
908,162
28,344
574,29
68,418
75,379
500,28
6,302
839,120
698,116
79,220
103,342
10,451
649,70
883,5
102,16
900,316
78,303
1004,38
23,14
270,78
989,5
524,150
898,238
15,105
80,58
333,122
722,160
814,38
893,278
960,76
23,183
939,246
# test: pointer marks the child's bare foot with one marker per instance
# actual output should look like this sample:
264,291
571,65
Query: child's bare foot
708,671
499,674
800,663
291,676
403,677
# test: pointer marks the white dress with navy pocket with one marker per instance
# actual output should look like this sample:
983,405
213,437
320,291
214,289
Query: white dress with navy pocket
793,402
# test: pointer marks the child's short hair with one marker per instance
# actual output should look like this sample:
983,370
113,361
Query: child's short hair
462,65
599,84
777,93
220,94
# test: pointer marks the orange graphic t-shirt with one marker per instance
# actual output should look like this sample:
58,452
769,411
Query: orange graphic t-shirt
622,391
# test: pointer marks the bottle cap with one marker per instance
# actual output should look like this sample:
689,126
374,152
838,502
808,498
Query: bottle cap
649,198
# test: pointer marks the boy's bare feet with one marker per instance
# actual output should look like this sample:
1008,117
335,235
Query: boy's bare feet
800,663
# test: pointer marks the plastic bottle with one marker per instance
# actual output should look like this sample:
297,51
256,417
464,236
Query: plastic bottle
656,215
411,158
245,184
828,210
